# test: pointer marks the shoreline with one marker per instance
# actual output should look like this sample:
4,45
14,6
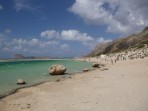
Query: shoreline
122,87
12,60
93,60
63,77
16,89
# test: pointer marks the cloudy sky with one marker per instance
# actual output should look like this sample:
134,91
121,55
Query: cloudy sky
66,28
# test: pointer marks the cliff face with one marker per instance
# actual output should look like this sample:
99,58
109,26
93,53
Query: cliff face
132,41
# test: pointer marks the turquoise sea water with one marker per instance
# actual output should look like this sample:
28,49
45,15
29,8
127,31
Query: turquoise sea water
33,71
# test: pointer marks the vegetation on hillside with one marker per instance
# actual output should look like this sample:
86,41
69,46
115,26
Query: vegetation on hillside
139,40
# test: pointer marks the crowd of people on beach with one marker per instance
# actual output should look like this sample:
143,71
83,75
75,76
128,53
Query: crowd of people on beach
129,54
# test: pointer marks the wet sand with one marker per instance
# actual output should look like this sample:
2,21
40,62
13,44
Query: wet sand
123,87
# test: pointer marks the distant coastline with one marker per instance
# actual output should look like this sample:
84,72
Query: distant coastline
12,59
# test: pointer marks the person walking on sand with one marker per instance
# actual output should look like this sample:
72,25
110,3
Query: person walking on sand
111,60
115,60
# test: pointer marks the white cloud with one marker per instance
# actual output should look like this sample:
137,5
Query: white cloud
14,45
18,42
1,7
7,31
52,43
75,35
89,10
65,47
92,44
71,35
49,41
18,47
120,16
102,40
50,34
21,4
24,5
34,42
6,49
23,45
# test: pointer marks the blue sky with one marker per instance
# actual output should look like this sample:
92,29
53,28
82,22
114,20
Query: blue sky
66,28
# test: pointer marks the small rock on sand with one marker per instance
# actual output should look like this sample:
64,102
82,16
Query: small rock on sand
20,82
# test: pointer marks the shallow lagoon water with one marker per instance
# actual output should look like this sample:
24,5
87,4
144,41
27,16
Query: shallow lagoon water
33,71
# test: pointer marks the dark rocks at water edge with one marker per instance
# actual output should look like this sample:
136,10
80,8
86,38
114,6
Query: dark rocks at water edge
85,70
21,82
96,65
57,70
100,66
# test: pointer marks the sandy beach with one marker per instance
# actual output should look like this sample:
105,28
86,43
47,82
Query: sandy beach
123,87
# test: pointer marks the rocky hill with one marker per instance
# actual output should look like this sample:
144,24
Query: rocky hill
20,56
133,41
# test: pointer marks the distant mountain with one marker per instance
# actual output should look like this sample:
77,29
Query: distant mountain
20,56
132,41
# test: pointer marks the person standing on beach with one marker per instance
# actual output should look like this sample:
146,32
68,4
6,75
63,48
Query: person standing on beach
112,61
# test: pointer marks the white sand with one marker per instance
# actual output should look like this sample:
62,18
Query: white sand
124,87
